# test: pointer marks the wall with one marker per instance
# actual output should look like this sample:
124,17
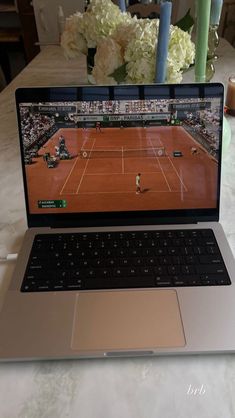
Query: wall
46,15
184,5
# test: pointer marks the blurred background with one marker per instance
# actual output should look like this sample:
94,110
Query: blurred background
26,26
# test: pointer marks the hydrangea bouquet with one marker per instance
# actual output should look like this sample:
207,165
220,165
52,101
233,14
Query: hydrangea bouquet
125,47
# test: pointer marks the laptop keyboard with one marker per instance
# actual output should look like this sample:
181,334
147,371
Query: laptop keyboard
113,260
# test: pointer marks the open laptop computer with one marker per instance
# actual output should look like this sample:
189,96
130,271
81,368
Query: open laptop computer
124,254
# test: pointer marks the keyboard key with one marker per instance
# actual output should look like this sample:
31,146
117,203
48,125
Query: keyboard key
194,281
210,268
222,280
180,282
132,259
163,283
160,270
188,269
173,270
210,259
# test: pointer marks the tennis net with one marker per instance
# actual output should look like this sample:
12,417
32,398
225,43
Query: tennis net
123,153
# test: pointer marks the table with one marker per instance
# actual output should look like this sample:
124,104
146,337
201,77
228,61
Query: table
112,388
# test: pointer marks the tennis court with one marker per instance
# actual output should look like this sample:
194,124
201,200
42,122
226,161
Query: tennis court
101,174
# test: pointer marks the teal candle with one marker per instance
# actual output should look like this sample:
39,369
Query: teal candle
216,7
202,30
163,41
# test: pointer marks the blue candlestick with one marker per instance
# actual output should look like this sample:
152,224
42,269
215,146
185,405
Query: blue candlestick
122,5
216,7
163,41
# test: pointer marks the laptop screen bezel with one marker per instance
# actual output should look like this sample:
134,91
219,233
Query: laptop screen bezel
153,217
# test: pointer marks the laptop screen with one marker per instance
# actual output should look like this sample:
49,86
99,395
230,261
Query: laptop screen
102,149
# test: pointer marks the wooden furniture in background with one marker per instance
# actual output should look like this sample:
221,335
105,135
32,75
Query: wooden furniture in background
28,27
17,31
152,10
10,35
227,22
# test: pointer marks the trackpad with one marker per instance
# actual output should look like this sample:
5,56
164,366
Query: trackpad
127,320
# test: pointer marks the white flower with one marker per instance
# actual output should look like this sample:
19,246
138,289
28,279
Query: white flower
100,20
181,53
72,40
140,53
122,39
181,50
174,75
126,31
140,71
108,58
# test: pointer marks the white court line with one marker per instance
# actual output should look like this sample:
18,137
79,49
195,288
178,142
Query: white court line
126,191
118,173
123,166
66,181
181,188
185,188
83,173
161,167
113,158
120,192
159,141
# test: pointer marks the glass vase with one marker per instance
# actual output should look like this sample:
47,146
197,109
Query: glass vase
213,42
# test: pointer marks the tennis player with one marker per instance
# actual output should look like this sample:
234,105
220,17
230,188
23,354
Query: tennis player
98,126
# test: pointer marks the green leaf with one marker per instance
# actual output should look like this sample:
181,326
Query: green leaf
120,73
186,23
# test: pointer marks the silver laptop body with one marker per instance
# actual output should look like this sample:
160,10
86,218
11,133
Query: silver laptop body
100,161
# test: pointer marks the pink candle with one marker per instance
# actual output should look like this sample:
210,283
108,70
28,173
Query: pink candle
230,97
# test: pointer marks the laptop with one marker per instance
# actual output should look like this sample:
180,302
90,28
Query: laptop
124,254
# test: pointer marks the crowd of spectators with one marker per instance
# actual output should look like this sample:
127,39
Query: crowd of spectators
205,128
35,127
122,106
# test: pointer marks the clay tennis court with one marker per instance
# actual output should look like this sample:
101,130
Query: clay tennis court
105,179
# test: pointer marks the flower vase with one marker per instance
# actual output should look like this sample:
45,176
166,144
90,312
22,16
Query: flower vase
213,42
